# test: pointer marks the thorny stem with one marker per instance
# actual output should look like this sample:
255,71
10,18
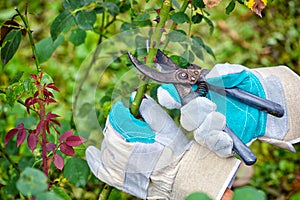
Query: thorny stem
42,112
164,13
182,9
24,18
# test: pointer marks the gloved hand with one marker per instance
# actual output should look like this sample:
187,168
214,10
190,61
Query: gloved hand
247,122
153,159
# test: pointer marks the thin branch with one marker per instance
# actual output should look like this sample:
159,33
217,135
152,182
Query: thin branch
19,101
6,155
31,41
182,9
156,39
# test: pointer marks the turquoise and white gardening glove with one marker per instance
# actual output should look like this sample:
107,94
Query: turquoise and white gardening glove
152,159
246,122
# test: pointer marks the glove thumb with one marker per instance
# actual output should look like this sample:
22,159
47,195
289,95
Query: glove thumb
168,96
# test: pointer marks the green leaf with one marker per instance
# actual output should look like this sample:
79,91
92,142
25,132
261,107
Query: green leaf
64,21
59,191
197,51
14,92
295,196
189,56
141,45
248,193
85,19
112,8
48,195
230,7
125,27
76,171
12,42
16,78
179,60
177,36
71,4
209,50
197,196
196,19
74,4
197,41
46,47
197,45
210,23
32,181
77,36
85,109
142,20
180,17
142,17
11,188
198,3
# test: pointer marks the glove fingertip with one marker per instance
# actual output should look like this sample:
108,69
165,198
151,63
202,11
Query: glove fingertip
168,97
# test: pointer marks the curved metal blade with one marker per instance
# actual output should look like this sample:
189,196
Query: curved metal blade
168,77
164,62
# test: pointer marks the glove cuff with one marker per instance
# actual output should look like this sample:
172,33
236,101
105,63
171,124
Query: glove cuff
276,127
200,170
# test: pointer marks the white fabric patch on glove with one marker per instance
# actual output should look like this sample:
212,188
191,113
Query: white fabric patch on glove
166,99
199,115
195,112
225,69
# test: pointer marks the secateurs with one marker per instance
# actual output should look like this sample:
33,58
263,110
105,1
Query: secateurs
183,79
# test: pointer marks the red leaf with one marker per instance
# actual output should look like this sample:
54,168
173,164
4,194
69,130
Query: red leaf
32,141
39,127
50,147
50,115
58,161
75,140
65,135
55,122
36,94
47,93
20,126
29,102
47,127
66,149
49,100
33,76
9,135
21,136
52,86
7,26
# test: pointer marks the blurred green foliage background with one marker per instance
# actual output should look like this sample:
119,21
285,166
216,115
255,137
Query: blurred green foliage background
240,37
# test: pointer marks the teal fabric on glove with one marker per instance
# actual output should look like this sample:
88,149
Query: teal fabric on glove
132,129
245,121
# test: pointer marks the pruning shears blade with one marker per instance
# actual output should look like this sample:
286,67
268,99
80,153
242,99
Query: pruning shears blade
167,77
164,62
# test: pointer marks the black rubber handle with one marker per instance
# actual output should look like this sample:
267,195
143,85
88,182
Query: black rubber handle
262,104
242,150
